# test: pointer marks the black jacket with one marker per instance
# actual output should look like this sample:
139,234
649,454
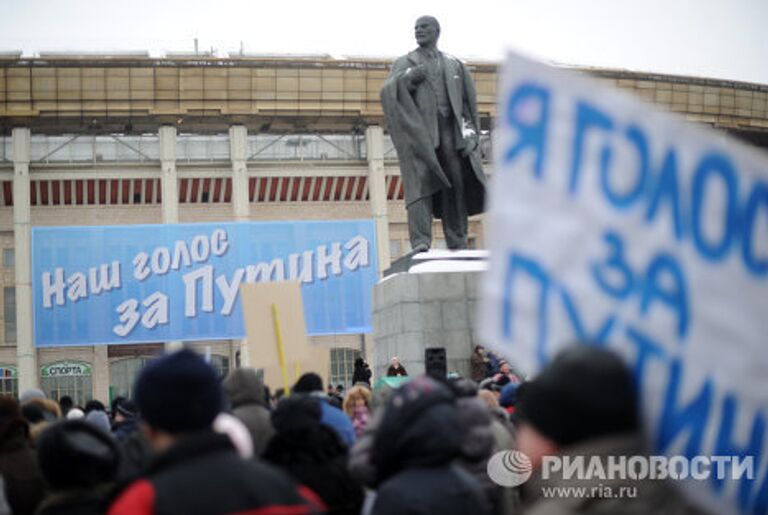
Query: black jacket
92,501
361,374
313,454
447,490
24,484
202,474
416,444
394,372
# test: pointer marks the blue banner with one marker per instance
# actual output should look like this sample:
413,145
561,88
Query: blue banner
153,283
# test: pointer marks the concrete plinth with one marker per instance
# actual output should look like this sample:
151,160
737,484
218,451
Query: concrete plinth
414,311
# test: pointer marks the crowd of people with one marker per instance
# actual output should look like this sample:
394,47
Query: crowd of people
190,443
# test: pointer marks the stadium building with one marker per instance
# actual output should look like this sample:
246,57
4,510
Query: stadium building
130,139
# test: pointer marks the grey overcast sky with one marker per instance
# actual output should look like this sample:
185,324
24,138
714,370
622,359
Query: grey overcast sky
725,39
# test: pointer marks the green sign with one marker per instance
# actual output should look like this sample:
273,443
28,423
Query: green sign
65,369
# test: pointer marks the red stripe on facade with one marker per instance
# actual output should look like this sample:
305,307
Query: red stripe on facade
114,188
159,186
284,189
137,191
295,189
305,190
350,188
217,189
251,189
56,193
228,190
33,193
262,189
91,191
149,185
193,196
360,188
68,193
401,191
126,192
102,191
183,191
79,193
205,195
391,187
339,185
273,184
43,185
328,185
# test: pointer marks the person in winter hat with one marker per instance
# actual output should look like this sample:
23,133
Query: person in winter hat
99,419
396,368
24,485
415,449
79,463
361,372
313,454
311,385
357,407
179,396
584,404
478,442
126,420
508,397
248,402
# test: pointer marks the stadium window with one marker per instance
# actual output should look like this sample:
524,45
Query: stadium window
395,249
71,378
220,364
9,380
9,258
123,373
9,314
343,366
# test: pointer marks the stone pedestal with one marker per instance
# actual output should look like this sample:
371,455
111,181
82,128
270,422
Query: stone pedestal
413,311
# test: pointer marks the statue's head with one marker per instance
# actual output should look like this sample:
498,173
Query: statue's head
427,31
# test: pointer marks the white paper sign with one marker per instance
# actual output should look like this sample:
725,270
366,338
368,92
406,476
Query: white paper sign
614,223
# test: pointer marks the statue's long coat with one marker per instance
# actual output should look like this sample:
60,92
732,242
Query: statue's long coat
412,120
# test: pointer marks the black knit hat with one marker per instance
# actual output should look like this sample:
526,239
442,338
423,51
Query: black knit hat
178,393
584,393
419,429
127,408
75,454
307,383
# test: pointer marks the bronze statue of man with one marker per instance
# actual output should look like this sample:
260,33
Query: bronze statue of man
431,109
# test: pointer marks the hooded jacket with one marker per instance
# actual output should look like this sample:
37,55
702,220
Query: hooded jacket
247,397
416,444
24,484
313,454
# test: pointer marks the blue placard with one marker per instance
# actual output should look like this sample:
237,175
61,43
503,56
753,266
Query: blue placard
153,283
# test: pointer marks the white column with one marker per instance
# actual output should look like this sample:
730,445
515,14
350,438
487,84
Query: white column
374,141
101,375
170,179
170,189
241,205
237,151
26,355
